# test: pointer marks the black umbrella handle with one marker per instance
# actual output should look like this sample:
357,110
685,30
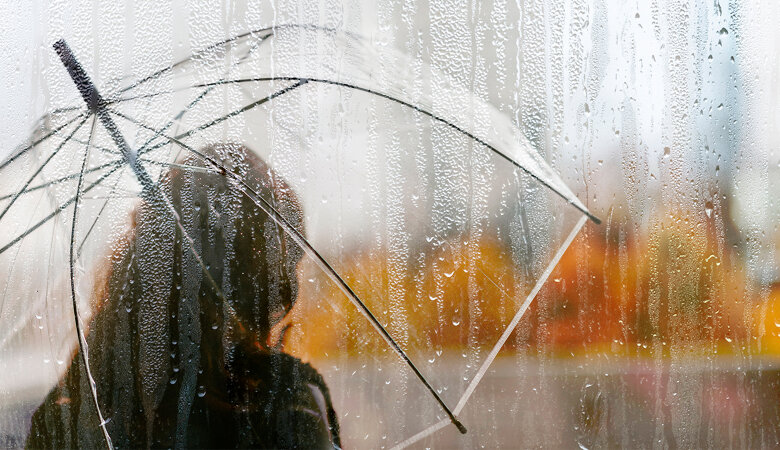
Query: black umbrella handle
85,86
97,105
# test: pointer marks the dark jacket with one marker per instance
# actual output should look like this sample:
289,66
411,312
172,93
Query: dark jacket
273,400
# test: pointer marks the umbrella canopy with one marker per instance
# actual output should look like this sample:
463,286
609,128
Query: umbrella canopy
356,133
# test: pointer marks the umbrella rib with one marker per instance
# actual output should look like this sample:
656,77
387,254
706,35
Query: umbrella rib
503,338
195,101
415,108
462,131
83,347
270,30
150,190
218,120
227,116
177,117
113,188
184,110
41,167
101,197
179,166
101,148
520,313
178,63
58,210
177,90
98,215
200,85
66,109
318,259
62,179
41,139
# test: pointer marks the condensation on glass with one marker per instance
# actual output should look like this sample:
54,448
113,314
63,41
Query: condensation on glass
321,223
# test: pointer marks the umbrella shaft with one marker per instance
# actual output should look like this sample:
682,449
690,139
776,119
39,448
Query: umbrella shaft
130,155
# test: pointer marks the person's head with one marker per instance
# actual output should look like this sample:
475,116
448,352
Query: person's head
186,306
210,252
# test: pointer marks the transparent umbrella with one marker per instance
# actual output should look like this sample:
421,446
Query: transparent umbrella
294,96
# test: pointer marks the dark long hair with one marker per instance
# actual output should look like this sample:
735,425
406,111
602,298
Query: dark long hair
185,307
212,247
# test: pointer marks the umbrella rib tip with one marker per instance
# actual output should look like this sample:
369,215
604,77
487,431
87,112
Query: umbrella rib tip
459,425
595,219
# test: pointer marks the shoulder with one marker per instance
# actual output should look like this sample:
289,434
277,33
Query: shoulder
51,425
296,398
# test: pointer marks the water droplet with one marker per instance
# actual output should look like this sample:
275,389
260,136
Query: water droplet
708,207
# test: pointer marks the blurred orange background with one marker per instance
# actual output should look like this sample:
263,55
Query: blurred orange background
615,291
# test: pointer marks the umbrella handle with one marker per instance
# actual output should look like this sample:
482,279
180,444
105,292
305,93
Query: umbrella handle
97,106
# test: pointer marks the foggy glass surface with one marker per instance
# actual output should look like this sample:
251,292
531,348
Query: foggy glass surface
396,127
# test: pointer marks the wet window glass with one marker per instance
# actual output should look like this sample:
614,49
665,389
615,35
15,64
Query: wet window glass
531,223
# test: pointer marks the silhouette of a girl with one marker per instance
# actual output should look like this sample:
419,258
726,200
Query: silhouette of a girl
179,343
